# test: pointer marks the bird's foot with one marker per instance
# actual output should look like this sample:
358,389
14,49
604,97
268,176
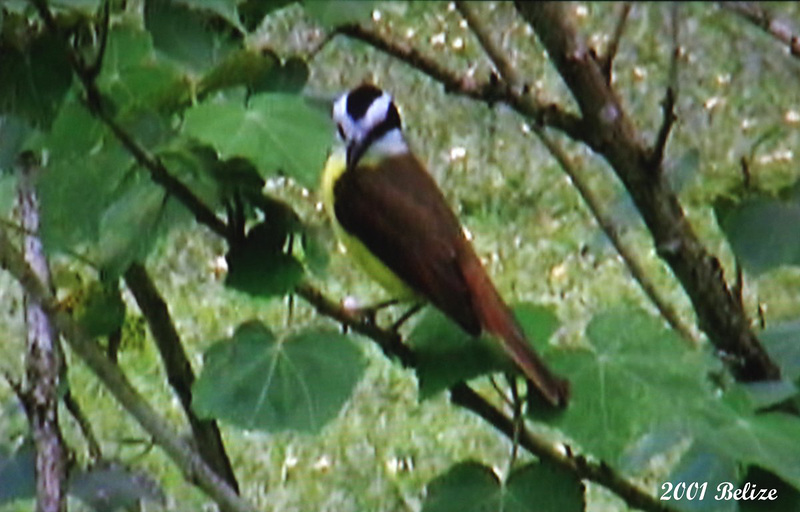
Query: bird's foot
366,314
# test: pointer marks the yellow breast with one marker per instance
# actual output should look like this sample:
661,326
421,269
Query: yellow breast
357,251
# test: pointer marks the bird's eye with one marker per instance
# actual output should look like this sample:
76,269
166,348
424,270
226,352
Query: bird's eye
341,130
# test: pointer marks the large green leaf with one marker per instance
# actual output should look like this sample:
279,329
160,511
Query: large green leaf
620,385
446,355
133,77
278,132
139,214
760,229
700,465
187,35
36,75
84,169
768,440
473,487
257,381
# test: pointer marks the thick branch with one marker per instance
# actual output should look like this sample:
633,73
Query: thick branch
42,363
179,371
182,454
612,134
508,73
761,17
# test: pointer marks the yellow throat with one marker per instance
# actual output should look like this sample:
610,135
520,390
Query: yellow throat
357,251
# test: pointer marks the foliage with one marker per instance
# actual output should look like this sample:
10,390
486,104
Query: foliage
190,88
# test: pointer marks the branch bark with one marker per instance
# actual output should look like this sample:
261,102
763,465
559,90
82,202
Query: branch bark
509,74
611,133
182,454
178,369
780,29
43,361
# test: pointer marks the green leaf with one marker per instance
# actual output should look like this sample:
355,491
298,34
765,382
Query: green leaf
36,78
760,230
277,132
240,68
256,381
187,35
84,170
701,465
782,342
473,487
111,486
8,191
466,487
252,12
18,474
225,9
99,310
331,14
260,266
446,355
788,497
140,213
620,385
133,77
682,170
767,440
13,132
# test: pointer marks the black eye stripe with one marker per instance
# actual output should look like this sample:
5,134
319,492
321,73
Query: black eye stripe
360,98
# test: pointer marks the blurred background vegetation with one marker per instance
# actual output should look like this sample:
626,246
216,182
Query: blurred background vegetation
738,124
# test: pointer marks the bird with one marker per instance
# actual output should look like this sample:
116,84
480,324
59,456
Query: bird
395,223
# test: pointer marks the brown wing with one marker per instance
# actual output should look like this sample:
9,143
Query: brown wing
398,212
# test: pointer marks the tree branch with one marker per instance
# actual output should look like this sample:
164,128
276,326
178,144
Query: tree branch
612,134
607,60
42,362
509,74
781,30
464,396
182,454
486,91
178,369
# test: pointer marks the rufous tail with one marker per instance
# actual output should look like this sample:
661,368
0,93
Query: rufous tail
496,318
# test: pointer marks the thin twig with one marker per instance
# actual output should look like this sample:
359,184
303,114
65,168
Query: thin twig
74,408
607,60
670,96
611,133
611,230
507,72
486,91
780,29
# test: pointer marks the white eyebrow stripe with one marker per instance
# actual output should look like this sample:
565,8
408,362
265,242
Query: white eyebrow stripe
377,112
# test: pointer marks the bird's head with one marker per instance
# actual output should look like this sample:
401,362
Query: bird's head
367,119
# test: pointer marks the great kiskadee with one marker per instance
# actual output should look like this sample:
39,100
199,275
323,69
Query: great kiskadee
394,221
